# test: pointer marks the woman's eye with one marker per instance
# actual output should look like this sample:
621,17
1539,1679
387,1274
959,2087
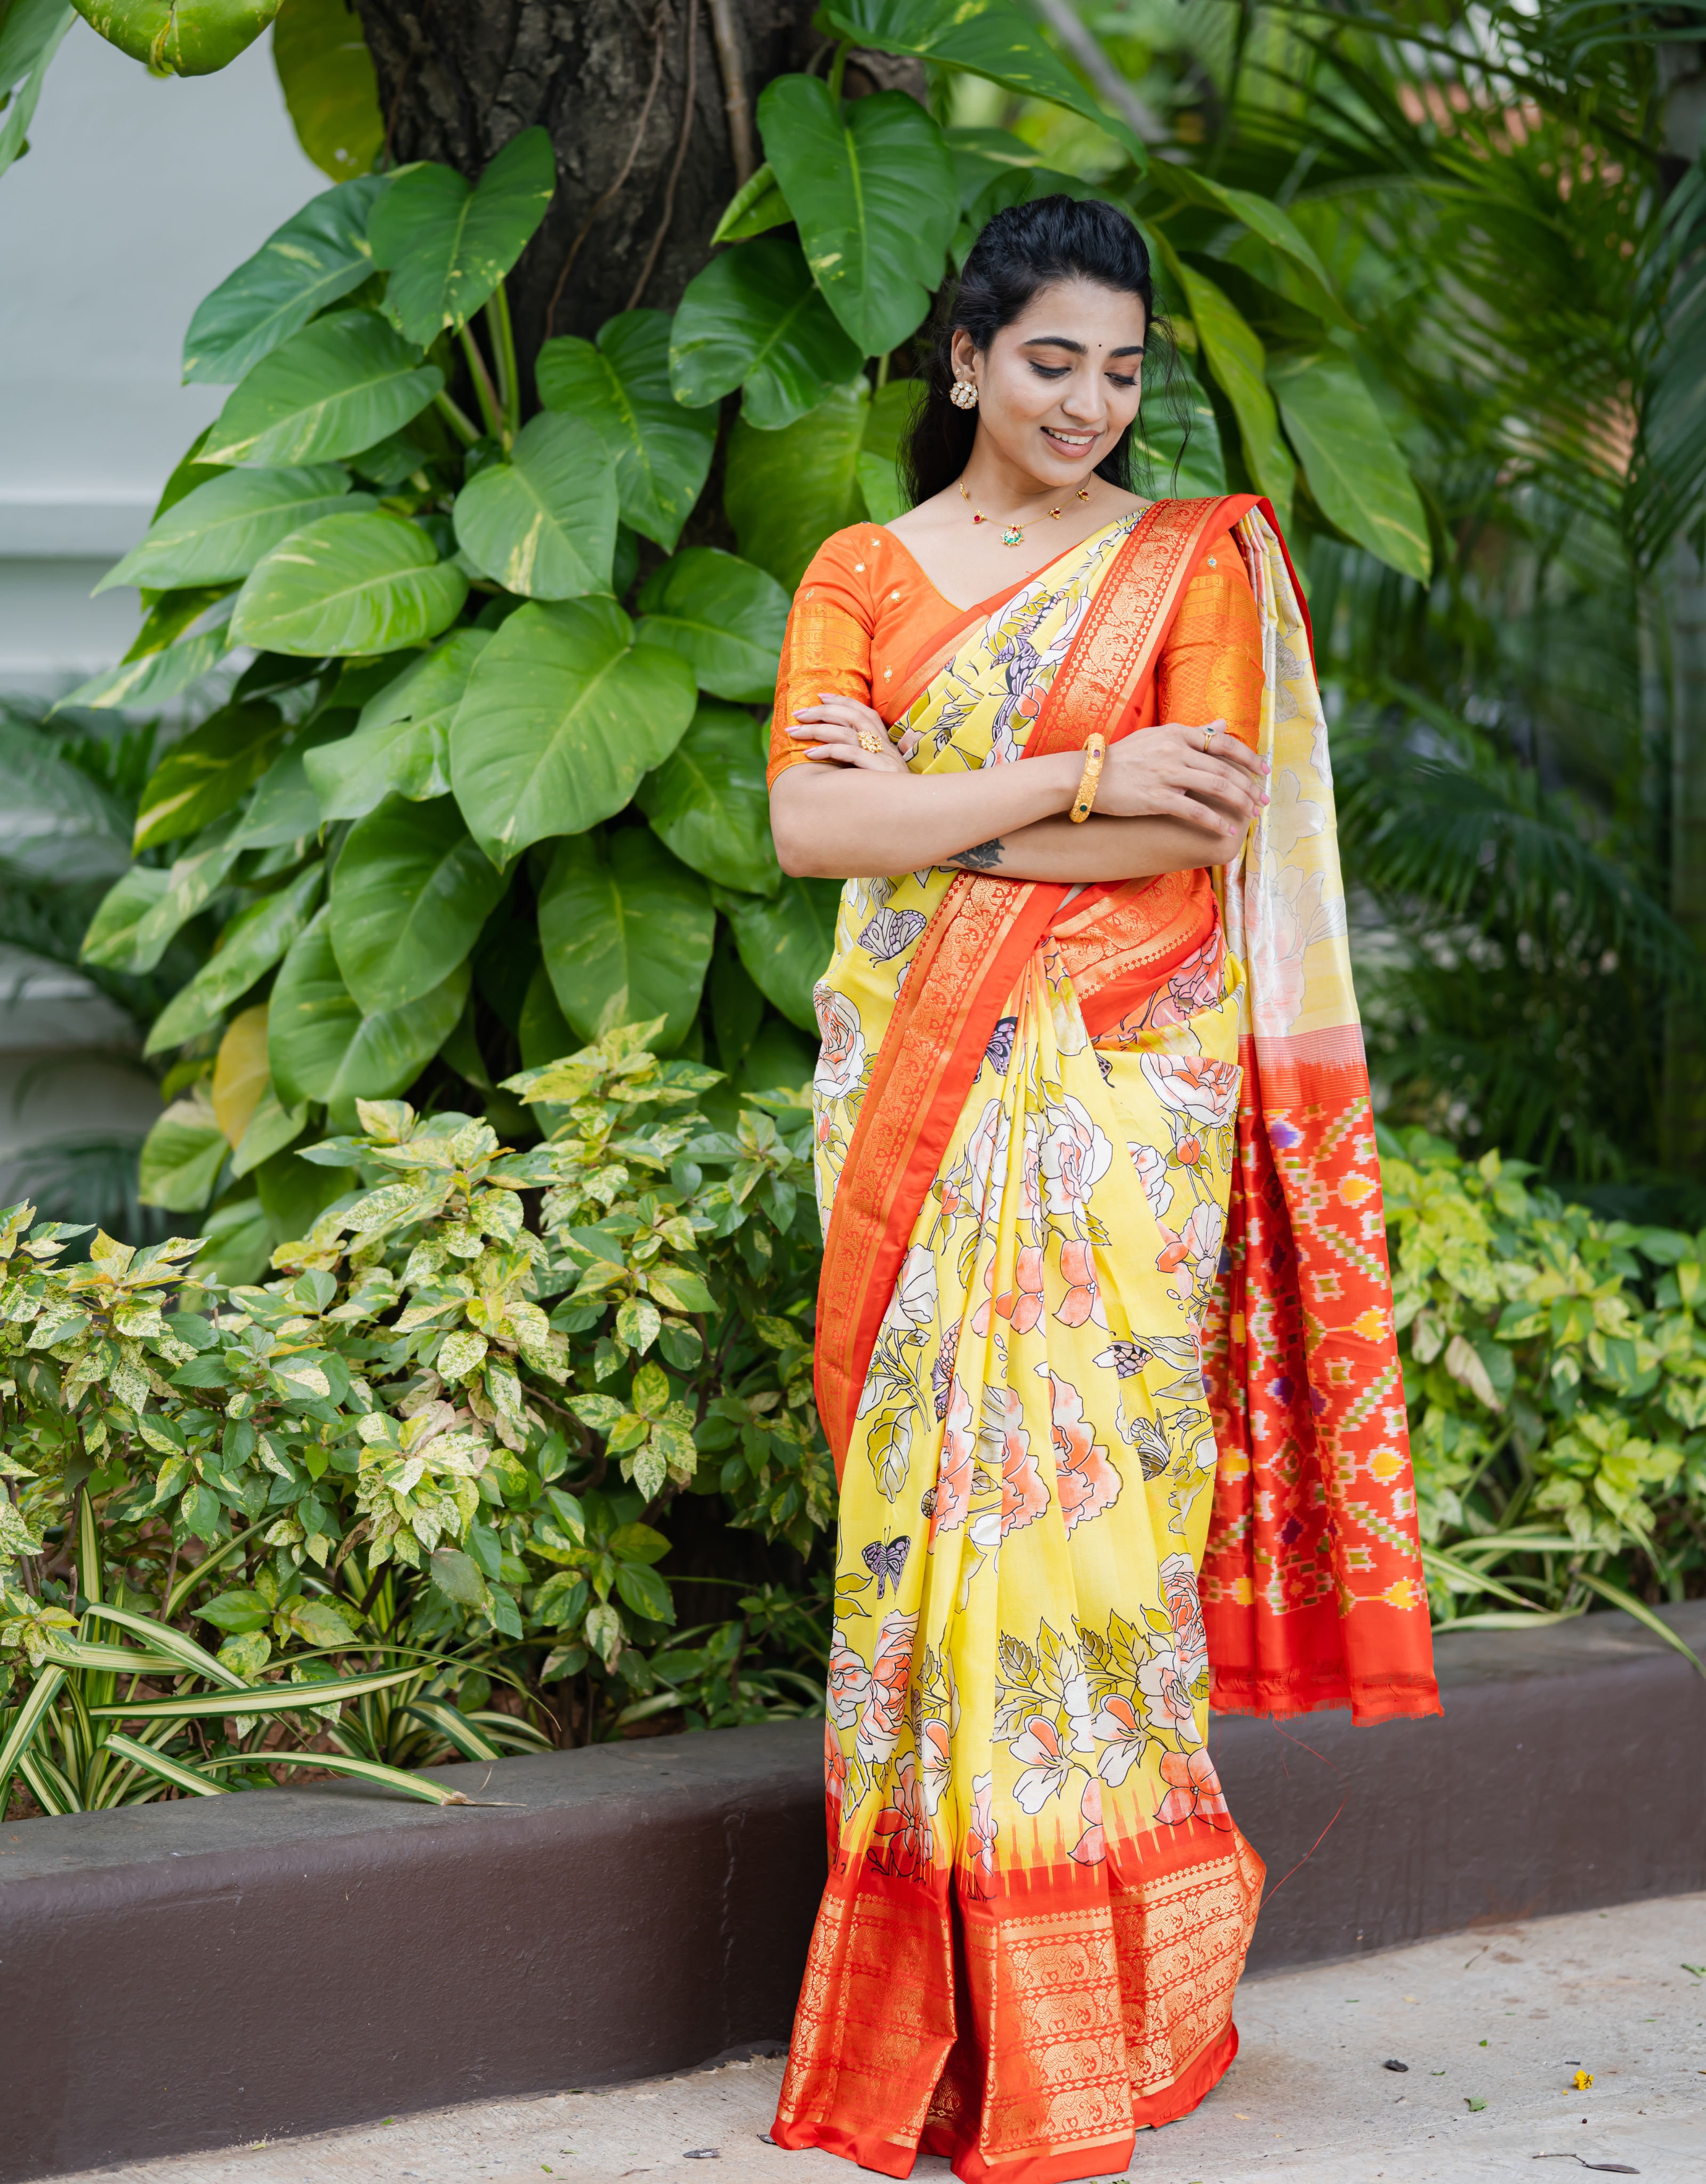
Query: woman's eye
1120,379
1050,370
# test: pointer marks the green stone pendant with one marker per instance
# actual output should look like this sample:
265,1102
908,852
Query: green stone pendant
1013,536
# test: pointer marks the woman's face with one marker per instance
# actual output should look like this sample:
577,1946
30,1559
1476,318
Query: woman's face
1057,387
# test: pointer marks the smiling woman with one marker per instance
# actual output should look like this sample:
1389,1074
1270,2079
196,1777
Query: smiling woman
1105,1348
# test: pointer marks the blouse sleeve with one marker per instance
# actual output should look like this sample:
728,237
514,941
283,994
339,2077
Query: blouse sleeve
1210,667
826,645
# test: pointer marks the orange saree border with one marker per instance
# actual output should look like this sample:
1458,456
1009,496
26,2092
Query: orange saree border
984,932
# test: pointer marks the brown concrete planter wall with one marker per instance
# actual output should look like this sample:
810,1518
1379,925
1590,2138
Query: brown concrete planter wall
211,1972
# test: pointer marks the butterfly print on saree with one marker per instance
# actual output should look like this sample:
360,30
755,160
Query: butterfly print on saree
999,1053
885,1559
891,933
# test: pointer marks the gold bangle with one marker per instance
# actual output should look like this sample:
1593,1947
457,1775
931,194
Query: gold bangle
1094,753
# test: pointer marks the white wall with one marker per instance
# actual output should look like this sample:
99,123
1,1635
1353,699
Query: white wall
138,195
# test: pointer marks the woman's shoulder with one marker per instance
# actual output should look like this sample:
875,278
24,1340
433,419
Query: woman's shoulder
849,562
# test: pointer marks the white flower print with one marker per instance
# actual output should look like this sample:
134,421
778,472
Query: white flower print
1165,1683
1150,1164
1045,1762
935,1765
914,1301
1123,1738
1076,1154
841,1062
1193,1085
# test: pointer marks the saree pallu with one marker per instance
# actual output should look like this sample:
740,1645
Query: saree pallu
1052,1384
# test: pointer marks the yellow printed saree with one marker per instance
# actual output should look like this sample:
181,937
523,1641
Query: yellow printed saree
1089,1317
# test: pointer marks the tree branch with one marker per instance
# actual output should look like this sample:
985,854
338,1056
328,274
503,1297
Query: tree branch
732,66
657,240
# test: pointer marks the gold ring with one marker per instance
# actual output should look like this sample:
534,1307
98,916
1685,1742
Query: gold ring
867,742
1208,735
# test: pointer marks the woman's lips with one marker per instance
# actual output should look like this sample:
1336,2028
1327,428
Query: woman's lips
1077,444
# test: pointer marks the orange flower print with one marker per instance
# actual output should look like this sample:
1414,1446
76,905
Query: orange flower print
848,1681
1165,1682
1185,1606
1194,1793
981,1830
1023,1304
885,1710
1124,1736
1023,1496
1083,1299
834,1778
1188,1152
1085,1480
902,1840
841,1062
1193,1085
1090,1848
1046,1763
954,1469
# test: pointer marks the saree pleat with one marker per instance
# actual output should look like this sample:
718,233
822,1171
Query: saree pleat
1035,1113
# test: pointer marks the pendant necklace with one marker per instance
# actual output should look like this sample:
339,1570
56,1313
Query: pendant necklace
1013,534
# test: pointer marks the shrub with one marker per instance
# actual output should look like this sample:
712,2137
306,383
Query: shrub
1555,1370
394,1464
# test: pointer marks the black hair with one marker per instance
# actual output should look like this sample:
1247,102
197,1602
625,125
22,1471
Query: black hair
1019,252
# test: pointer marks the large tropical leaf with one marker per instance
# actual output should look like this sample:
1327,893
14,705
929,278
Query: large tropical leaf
321,1045
1238,361
887,423
222,529
991,40
788,491
408,897
447,244
1356,473
240,1075
180,37
724,615
872,188
349,584
255,939
30,34
152,675
326,73
207,772
710,803
1263,218
564,711
753,318
318,255
284,807
786,941
332,389
114,939
620,386
402,741
544,522
627,931
181,1156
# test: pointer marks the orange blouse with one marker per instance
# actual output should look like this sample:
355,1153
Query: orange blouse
865,619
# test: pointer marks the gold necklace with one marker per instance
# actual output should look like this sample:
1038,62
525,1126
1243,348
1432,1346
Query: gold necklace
1013,534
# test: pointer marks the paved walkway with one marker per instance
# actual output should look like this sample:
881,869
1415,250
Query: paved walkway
1493,2025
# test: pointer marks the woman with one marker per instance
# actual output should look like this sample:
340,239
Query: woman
1105,1301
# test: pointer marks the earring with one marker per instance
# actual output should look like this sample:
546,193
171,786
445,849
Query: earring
963,395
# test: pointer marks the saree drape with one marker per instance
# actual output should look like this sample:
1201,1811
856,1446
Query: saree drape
1104,1306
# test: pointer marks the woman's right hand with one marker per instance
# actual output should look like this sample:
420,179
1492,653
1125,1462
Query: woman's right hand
1204,776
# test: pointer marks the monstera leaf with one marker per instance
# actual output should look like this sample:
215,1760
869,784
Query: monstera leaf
753,319
872,188
620,386
448,243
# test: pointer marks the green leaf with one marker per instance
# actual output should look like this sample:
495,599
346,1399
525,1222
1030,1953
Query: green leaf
447,244
543,523
627,931
284,808
191,883
270,1698
757,205
1263,218
753,318
114,939
180,37
1184,466
621,387
332,389
326,73
321,1047
318,255
335,1763
237,1611
725,617
992,40
564,711
207,772
645,1591
150,678
1237,360
1357,476
542,1031
222,528
871,185
887,422
402,741
788,491
458,1576
181,1157
271,1127
30,34
178,1772
255,939
349,584
408,897
786,942
710,803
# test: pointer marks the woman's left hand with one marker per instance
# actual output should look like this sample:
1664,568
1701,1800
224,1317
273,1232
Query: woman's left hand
843,731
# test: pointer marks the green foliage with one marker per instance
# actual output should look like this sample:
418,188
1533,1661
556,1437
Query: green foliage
1555,1372
180,37
398,1471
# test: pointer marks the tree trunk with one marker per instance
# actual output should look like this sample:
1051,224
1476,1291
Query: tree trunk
1684,1132
613,81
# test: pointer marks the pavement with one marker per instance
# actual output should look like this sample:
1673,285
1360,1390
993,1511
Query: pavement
1492,2025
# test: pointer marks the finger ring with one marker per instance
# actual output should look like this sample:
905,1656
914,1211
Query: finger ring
867,742
1208,735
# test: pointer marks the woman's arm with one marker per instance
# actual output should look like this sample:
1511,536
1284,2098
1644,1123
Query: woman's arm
1166,804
